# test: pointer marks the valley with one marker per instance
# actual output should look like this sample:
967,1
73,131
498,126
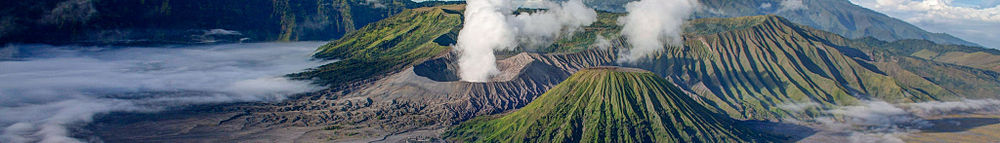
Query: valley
392,72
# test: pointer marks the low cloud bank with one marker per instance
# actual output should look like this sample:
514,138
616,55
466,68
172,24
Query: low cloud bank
46,95
880,121
973,22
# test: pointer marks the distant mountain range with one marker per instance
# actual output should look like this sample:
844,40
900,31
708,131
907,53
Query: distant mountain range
837,16
132,22
145,22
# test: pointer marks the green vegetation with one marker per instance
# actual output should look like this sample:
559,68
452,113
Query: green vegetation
748,67
976,57
387,46
837,16
744,67
606,26
175,21
608,104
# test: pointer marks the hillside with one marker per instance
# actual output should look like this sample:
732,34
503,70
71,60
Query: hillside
144,22
837,16
988,59
608,104
750,66
387,46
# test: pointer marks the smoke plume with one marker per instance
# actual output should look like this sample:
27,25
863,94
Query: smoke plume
62,88
652,24
485,29
491,25
541,29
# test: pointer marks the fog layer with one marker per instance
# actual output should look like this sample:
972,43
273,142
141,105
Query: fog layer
66,86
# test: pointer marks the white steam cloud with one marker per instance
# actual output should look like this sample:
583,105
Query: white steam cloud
541,29
44,97
490,25
652,24
792,5
879,121
485,29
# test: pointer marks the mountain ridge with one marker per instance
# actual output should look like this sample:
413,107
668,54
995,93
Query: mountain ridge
613,104
837,16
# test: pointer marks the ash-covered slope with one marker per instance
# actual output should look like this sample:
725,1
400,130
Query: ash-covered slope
608,104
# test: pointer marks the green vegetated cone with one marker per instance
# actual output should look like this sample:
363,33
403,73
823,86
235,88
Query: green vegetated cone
608,104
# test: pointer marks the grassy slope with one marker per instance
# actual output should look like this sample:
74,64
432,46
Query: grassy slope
387,46
608,105
606,26
749,66
837,16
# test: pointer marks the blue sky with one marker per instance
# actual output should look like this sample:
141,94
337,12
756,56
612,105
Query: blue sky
973,20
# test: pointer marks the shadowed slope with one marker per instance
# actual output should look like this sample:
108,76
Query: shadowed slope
748,66
608,104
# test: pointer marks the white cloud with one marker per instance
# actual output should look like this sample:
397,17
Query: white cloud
485,29
540,29
880,121
978,25
935,108
765,5
602,43
490,25
791,5
650,25
63,87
